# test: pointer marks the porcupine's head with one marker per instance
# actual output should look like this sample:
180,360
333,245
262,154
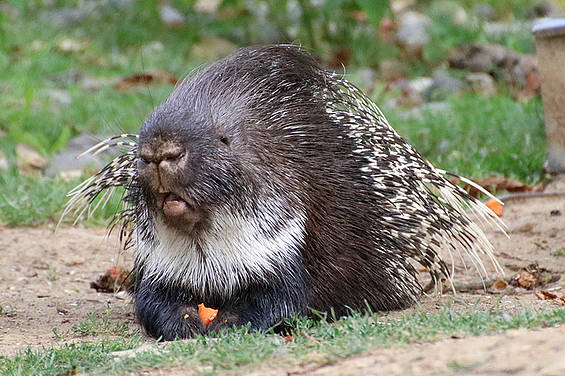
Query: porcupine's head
221,142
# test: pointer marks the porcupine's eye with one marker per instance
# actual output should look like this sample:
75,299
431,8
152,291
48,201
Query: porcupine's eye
143,160
224,140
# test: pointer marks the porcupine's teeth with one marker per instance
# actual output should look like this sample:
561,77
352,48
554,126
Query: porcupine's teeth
174,206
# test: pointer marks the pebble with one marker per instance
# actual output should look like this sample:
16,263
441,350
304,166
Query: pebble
412,34
170,16
28,156
481,83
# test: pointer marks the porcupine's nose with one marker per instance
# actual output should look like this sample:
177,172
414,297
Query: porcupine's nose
160,164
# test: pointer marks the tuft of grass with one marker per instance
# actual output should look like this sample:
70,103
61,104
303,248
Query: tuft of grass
96,326
312,341
480,136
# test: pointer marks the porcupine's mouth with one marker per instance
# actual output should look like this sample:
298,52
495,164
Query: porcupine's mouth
178,212
174,206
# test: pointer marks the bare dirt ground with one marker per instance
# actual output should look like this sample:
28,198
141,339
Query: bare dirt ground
45,283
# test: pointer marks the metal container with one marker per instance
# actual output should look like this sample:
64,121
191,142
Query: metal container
550,46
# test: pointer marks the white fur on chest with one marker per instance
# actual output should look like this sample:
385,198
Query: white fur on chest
232,253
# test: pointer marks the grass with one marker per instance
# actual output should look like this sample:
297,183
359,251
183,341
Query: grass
312,341
480,136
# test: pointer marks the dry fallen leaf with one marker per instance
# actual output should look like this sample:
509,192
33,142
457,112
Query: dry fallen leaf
526,279
137,80
559,298
494,184
115,279
499,285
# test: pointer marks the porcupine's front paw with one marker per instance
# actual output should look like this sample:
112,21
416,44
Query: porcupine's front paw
263,307
164,316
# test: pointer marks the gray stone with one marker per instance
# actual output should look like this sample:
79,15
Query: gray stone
413,91
444,85
543,9
449,10
28,156
4,165
485,12
412,32
497,30
482,83
60,97
67,162
420,113
64,16
170,16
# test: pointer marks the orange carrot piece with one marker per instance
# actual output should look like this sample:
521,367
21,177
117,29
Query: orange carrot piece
495,206
206,314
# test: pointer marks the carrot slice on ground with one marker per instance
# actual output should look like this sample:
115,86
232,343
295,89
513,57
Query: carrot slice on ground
206,314
495,206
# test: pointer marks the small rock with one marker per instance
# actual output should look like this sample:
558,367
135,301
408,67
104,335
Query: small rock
148,348
542,9
399,6
212,48
64,16
62,309
420,113
497,30
27,156
390,69
443,85
449,10
153,47
207,6
67,78
477,57
67,165
481,83
93,84
412,34
364,78
4,165
526,227
61,97
72,45
485,12
170,16
413,91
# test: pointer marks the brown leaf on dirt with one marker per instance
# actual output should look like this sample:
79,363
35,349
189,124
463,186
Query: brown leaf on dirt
288,339
137,80
115,279
499,183
499,285
559,298
526,279
494,184
532,276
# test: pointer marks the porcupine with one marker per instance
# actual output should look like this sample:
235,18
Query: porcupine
266,186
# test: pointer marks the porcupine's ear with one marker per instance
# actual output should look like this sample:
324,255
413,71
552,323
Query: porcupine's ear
95,192
441,210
